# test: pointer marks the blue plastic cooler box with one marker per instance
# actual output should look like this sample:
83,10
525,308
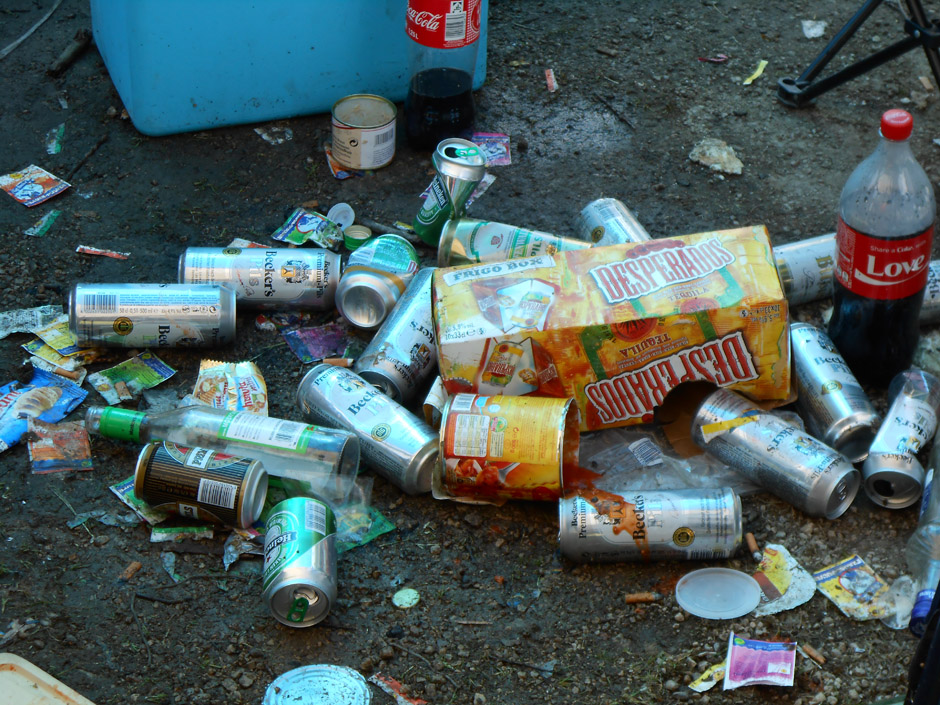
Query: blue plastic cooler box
182,65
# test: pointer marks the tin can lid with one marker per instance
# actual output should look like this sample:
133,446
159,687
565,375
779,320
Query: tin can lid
718,593
319,684
342,214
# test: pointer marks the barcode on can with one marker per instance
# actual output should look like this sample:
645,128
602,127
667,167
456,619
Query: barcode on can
218,494
462,402
455,23
99,303
315,517
383,137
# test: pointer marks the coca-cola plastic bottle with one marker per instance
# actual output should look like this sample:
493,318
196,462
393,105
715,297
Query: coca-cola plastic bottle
442,50
883,245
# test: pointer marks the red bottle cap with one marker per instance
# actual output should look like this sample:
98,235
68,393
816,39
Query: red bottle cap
896,124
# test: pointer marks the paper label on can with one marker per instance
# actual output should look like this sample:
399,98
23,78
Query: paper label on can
880,268
264,431
363,147
908,426
443,24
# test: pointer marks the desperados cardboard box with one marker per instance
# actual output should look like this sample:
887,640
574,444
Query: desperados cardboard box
618,327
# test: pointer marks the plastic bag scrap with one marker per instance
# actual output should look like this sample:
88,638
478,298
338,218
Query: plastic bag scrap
642,456
58,447
47,397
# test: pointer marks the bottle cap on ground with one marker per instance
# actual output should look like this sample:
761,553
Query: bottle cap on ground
896,124
355,236
718,593
342,214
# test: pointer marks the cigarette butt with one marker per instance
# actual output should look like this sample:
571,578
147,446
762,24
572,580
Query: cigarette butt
71,374
752,546
123,392
815,655
635,598
926,83
339,361
131,570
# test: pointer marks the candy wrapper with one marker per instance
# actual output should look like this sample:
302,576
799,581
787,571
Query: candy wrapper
854,587
32,185
47,397
235,386
312,344
495,146
752,662
58,447
306,225
125,381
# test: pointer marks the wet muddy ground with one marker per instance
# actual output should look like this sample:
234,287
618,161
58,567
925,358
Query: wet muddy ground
502,617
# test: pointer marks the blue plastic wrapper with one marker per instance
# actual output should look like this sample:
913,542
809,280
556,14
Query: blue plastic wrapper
47,397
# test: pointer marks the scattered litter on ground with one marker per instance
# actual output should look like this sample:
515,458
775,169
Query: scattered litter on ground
27,320
32,185
753,662
813,29
86,250
128,379
58,447
43,225
717,155
757,73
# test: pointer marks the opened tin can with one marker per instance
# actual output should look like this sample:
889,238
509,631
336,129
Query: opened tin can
393,441
403,354
469,241
266,278
201,483
299,575
607,221
363,129
831,401
502,447
775,454
646,525
152,315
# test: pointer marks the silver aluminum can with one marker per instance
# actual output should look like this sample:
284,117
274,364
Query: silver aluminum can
299,575
930,309
647,525
403,354
607,221
805,268
266,278
393,441
892,475
152,315
775,455
469,241
831,401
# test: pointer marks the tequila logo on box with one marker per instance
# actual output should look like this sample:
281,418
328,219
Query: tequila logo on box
632,394
648,273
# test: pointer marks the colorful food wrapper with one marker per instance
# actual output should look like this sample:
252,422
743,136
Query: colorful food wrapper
58,447
125,492
358,524
854,587
58,336
283,320
242,243
783,582
752,662
338,170
113,254
54,139
235,386
47,397
306,225
495,146
311,344
26,320
709,679
43,225
32,185
125,381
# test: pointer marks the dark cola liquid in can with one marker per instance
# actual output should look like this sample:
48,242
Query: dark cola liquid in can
439,104
646,525
897,322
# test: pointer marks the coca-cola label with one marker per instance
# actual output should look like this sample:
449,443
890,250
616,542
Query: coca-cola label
443,24
879,268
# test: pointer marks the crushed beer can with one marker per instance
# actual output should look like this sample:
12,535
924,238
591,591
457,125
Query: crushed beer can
776,455
460,166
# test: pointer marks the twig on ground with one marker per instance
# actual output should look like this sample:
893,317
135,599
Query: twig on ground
88,155
140,628
25,36
79,43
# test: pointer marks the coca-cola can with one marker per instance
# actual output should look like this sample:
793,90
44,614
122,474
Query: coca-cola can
647,525
393,441
266,278
607,221
805,268
299,575
152,315
831,401
402,354
775,454
469,241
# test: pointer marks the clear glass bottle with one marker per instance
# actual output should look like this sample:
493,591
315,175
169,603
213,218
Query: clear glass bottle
923,548
326,459
883,245
443,36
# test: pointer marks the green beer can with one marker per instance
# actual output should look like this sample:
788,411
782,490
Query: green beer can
299,575
460,166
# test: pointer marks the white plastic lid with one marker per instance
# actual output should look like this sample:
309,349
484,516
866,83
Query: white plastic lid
319,684
342,214
718,593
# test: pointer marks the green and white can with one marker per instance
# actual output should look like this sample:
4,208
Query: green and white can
299,576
